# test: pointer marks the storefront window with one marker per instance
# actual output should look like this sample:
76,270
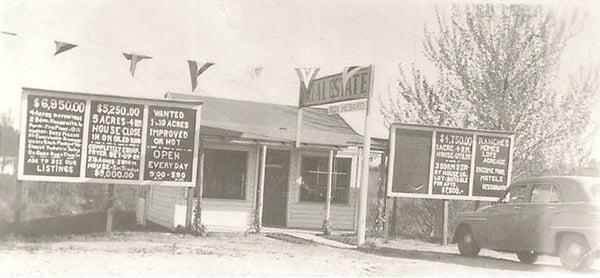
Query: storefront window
314,179
224,174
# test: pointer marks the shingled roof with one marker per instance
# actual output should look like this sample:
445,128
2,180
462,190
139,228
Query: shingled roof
247,120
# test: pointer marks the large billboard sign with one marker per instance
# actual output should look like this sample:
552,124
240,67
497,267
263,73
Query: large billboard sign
448,163
74,137
329,89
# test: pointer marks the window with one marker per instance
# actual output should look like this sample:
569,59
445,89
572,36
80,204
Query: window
314,179
224,174
516,195
544,194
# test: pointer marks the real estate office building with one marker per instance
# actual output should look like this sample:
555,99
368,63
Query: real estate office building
232,134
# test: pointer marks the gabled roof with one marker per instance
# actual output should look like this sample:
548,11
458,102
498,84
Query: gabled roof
247,120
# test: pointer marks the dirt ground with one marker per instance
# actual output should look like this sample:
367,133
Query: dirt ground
154,254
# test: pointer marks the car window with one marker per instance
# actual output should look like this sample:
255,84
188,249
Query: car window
516,195
544,194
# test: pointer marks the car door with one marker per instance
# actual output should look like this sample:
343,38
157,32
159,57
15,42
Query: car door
536,215
503,218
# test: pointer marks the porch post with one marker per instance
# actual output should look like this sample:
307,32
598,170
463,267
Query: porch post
326,221
261,188
199,188
189,207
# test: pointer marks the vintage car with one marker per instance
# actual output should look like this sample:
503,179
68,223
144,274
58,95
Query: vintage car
557,216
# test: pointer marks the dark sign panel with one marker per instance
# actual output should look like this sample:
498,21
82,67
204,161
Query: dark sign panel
412,171
445,163
329,89
53,136
114,141
170,147
75,137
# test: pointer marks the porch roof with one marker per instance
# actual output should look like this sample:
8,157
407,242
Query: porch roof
256,121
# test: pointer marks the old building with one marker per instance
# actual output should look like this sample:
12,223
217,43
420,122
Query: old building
233,134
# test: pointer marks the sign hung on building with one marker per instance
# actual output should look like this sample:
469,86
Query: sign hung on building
74,137
447,163
337,87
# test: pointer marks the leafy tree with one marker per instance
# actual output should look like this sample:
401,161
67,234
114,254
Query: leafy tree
498,68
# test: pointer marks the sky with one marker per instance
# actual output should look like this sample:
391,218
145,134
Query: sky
236,35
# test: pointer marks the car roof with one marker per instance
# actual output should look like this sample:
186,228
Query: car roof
586,180
580,185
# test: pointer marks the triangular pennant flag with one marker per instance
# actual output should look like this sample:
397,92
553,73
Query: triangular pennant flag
8,33
307,75
62,47
134,59
348,73
195,72
257,71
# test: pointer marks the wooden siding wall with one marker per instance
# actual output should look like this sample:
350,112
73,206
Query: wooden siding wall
167,204
162,204
167,207
309,214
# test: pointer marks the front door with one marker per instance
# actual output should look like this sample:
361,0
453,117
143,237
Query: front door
276,184
503,220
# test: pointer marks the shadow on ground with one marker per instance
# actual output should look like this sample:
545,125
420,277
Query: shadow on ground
479,262
75,225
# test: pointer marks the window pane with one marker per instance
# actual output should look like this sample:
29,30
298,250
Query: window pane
342,168
314,183
518,195
314,179
544,193
224,174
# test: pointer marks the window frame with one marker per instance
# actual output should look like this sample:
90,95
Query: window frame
317,155
553,185
250,154
527,196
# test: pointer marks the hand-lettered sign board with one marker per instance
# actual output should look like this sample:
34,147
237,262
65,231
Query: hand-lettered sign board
448,163
75,137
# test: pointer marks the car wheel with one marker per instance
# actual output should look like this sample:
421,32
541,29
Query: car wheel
527,257
466,243
574,253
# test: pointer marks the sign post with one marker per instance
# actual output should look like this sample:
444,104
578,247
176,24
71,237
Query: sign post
110,207
445,224
364,185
